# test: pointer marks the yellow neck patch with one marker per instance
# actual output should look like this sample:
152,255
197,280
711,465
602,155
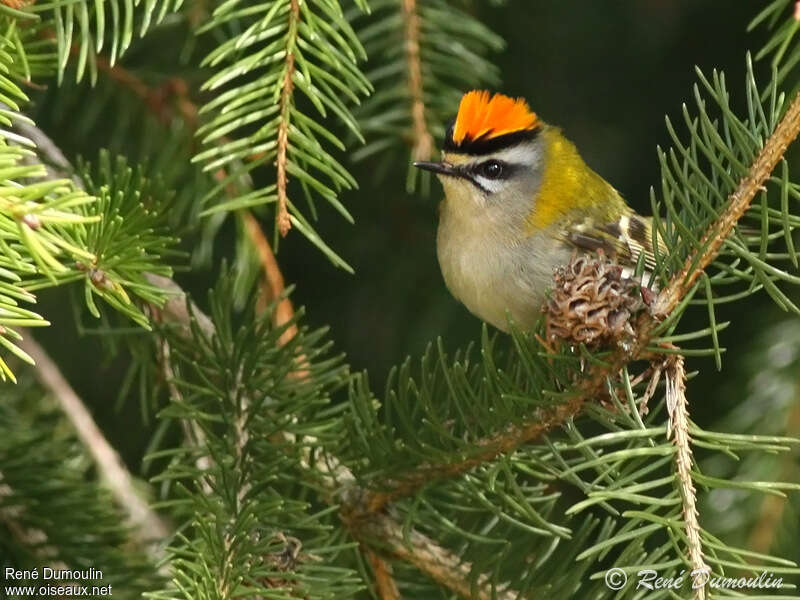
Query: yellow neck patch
481,116
568,186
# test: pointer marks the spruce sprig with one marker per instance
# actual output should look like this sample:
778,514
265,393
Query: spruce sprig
284,72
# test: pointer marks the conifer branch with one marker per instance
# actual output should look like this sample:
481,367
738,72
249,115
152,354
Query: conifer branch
422,143
299,50
441,565
374,530
738,202
594,383
62,33
282,160
53,510
192,431
156,101
28,536
490,448
419,550
677,407
149,528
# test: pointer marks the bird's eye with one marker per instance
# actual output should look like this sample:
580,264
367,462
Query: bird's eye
491,169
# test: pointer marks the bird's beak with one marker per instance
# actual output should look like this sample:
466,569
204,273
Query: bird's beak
440,168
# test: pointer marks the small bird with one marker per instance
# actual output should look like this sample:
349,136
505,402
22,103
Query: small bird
519,201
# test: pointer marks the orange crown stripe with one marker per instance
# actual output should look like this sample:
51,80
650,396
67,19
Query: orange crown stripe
482,116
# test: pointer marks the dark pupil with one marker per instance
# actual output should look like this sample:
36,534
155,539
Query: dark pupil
492,169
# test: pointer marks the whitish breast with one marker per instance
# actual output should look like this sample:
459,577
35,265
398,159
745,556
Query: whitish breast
491,272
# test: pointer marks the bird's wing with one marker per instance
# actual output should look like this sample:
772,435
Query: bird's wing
623,240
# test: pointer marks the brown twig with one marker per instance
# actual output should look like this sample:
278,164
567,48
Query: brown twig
384,582
282,158
272,287
148,526
422,140
677,407
273,284
488,450
438,563
154,98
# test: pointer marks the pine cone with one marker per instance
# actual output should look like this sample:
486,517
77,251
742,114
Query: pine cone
591,302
